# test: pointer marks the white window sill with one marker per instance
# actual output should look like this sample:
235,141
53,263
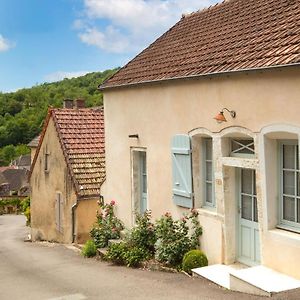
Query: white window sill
285,235
208,211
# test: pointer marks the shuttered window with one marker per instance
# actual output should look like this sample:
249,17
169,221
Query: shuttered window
182,171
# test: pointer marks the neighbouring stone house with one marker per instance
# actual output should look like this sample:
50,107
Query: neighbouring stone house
13,181
22,162
67,174
208,117
33,144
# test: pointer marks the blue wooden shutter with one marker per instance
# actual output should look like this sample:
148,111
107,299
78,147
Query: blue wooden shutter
182,171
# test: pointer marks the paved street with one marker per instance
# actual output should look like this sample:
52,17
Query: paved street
42,271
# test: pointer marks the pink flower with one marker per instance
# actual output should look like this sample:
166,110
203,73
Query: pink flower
183,219
112,202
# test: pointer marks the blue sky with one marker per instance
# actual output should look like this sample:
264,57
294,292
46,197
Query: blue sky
44,40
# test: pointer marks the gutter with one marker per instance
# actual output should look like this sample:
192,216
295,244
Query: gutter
213,74
73,209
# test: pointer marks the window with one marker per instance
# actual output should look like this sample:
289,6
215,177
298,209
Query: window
290,189
242,147
46,160
208,173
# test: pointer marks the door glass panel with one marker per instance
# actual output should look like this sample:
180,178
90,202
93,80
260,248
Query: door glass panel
289,156
247,181
289,183
255,209
289,209
246,207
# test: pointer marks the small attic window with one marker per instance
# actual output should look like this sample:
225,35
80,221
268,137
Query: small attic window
242,147
46,160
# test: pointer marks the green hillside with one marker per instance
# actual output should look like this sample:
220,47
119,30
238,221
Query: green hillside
22,113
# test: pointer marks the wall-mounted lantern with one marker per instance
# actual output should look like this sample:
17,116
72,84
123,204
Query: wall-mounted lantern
220,116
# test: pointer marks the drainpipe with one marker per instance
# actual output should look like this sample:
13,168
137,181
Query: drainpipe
74,206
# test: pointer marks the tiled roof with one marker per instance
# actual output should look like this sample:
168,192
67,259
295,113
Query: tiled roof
81,135
34,142
231,36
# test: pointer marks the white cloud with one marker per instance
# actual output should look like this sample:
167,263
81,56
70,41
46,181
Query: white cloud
5,44
111,39
60,75
133,24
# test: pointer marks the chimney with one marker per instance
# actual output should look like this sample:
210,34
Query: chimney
79,103
68,103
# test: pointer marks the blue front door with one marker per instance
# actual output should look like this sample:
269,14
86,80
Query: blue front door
248,231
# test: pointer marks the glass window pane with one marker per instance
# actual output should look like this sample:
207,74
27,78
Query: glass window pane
246,207
209,192
289,209
298,184
289,183
298,210
255,210
247,181
209,171
289,156
208,149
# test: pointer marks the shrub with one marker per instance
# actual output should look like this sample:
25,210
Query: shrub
194,259
107,226
89,249
28,216
125,254
175,238
143,234
26,210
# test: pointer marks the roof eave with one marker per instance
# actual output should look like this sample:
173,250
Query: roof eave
103,88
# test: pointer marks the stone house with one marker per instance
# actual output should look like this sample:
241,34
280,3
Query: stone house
67,174
207,117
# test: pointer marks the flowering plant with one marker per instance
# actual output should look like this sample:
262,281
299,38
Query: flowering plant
107,226
176,237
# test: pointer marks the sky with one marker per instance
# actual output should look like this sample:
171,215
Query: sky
48,40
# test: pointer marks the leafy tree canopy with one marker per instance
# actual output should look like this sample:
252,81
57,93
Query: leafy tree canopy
22,113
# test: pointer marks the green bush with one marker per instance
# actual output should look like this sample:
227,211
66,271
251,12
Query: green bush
194,259
124,254
107,226
28,216
89,249
175,238
143,234
26,210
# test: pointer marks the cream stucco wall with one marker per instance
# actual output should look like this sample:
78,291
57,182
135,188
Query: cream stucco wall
159,111
45,185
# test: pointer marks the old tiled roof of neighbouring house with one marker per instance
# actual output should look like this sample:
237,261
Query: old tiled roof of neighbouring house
81,135
34,142
231,36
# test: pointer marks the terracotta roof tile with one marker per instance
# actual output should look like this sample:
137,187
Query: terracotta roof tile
230,36
81,133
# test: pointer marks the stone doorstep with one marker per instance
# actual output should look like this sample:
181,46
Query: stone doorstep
257,280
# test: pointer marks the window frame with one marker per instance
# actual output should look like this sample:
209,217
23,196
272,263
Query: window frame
206,203
285,224
242,155
46,160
